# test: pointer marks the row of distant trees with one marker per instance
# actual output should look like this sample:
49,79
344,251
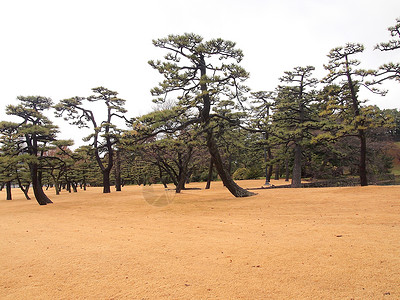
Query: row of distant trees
208,123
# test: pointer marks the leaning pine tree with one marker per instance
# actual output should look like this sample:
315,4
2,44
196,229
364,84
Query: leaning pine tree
34,133
202,72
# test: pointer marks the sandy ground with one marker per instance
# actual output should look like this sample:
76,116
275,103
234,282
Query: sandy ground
145,243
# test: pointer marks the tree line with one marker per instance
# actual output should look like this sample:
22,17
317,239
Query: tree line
208,123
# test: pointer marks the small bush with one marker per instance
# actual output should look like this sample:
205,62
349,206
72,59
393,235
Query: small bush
241,173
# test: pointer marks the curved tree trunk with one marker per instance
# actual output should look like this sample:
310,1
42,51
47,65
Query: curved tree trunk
25,191
40,196
23,188
163,181
226,178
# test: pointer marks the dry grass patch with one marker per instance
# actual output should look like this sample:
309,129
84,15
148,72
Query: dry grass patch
327,243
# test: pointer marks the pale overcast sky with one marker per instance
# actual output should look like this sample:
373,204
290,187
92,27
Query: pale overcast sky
61,49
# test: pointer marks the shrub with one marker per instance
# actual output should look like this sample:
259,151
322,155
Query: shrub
241,173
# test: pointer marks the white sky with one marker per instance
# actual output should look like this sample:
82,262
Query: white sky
61,49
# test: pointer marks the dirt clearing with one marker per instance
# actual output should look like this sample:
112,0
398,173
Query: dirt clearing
145,243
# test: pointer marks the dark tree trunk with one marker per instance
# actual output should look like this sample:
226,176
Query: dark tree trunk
363,158
25,190
210,171
74,187
269,174
181,184
69,187
57,188
40,196
277,171
163,181
106,181
361,132
183,170
105,170
8,190
56,185
296,177
118,171
171,174
226,178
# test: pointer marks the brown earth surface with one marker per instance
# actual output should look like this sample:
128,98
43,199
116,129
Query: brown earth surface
147,243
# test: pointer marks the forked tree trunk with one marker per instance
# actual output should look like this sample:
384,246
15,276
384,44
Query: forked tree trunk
25,190
226,178
296,178
40,196
74,187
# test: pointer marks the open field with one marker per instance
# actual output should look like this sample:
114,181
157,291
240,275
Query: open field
144,243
